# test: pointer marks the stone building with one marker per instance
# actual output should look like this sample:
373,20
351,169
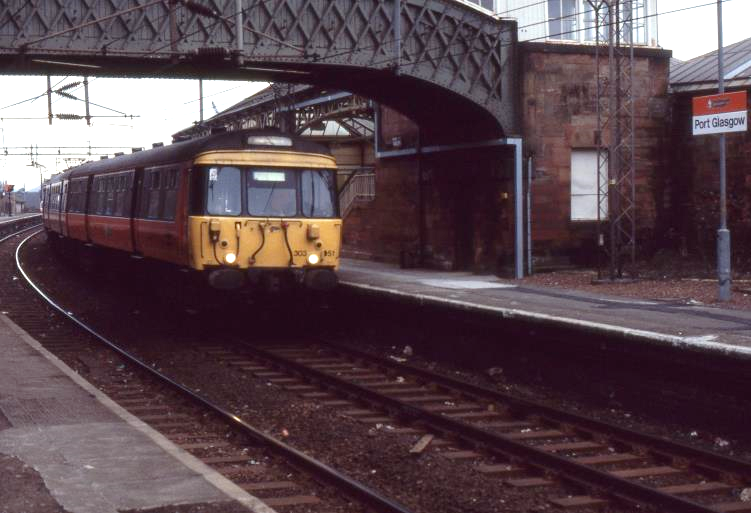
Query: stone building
454,210
691,201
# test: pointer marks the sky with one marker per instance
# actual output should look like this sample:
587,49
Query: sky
161,107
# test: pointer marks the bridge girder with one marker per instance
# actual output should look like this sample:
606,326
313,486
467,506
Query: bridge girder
434,61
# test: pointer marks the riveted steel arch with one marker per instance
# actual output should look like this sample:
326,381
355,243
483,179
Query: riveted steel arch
410,53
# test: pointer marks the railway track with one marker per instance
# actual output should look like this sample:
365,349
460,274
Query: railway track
522,443
255,461
578,462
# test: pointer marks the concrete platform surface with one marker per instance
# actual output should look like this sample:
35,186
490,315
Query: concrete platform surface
93,456
19,217
663,323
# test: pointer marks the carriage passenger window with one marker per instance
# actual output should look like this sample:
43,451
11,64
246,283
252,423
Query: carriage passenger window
224,191
272,193
170,193
317,191
109,196
153,194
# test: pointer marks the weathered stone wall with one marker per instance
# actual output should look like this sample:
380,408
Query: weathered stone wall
692,184
559,113
463,213
387,226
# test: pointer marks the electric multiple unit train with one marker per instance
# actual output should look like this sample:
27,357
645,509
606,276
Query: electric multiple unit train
238,207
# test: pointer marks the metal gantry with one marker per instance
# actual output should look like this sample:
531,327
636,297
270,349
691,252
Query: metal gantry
296,109
616,178
433,51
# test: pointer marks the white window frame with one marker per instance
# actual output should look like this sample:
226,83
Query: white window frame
585,189
579,28
564,34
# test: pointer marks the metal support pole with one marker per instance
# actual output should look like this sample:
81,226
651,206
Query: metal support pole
613,161
397,35
200,100
49,98
723,234
239,31
86,98
518,208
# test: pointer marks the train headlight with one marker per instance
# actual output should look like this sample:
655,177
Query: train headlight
230,258
313,259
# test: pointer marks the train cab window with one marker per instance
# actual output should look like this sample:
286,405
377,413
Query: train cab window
317,193
224,191
272,193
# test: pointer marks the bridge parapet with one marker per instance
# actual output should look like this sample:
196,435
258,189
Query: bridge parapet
411,54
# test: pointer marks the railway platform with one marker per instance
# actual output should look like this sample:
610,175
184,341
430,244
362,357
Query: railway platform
88,454
664,325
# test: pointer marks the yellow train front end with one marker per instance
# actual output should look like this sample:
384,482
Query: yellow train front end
265,219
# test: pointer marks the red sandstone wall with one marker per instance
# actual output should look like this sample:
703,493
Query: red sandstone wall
467,196
383,228
691,214
559,92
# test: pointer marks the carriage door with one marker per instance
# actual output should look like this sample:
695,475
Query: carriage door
64,209
158,233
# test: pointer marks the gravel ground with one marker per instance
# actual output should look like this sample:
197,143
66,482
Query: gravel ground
425,484
690,290
429,483
22,489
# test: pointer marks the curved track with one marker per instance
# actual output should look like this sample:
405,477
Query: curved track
132,397
520,443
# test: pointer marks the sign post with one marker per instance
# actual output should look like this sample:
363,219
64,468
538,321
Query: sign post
719,114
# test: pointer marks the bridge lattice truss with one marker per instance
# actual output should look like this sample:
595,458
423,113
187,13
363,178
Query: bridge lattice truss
440,42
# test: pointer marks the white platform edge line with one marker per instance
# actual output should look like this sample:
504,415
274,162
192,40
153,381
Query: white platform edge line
209,474
705,342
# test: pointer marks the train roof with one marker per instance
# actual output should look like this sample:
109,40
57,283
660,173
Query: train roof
187,150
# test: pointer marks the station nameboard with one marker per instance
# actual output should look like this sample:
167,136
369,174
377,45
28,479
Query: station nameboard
720,113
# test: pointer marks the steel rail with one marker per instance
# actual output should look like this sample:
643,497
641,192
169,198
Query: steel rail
494,443
717,461
19,232
298,458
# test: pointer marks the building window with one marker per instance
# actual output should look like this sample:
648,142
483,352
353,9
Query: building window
562,19
584,185
487,4
590,23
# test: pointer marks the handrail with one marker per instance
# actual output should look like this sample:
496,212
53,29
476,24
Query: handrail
360,187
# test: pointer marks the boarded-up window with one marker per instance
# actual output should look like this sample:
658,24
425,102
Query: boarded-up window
584,186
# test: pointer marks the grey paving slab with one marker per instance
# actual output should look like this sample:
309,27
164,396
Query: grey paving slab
93,456
672,323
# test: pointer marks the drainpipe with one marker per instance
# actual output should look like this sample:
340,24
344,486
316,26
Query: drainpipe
420,203
518,207
529,215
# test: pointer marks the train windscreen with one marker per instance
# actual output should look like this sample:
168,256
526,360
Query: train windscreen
271,192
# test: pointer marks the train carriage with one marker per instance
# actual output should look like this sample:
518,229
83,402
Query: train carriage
236,206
